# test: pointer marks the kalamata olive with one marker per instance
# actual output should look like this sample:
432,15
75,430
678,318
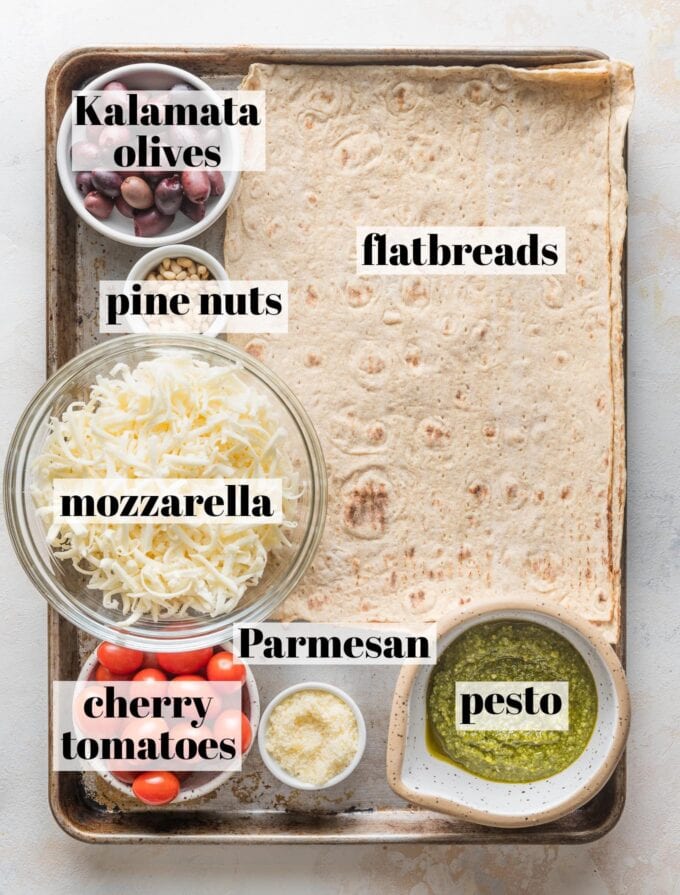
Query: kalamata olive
94,132
114,135
137,192
196,185
107,182
168,195
159,100
99,205
84,182
115,85
185,135
123,207
216,183
195,211
153,177
152,222
84,155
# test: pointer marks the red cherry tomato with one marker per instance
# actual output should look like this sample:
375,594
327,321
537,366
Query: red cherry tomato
192,686
150,660
119,659
184,663
156,787
227,727
223,667
148,682
125,776
141,729
184,731
150,675
98,726
103,675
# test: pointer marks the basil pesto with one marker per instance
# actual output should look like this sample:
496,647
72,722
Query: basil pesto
510,651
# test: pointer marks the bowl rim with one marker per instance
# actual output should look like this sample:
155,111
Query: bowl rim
142,266
16,469
66,175
276,770
446,804
186,794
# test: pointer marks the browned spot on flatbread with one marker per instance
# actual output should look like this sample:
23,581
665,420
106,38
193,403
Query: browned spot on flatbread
367,507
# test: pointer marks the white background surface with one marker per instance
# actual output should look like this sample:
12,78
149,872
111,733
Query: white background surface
641,855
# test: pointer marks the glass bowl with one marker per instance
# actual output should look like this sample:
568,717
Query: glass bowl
66,589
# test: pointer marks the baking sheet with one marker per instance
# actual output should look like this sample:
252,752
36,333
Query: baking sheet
252,808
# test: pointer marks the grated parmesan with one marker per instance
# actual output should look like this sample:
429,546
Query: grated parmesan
313,735
178,417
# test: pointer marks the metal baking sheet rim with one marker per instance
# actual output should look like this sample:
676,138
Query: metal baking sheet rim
82,828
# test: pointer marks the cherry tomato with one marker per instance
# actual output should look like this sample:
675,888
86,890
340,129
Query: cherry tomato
150,675
156,787
103,675
97,727
193,686
184,731
119,659
141,729
125,776
148,682
227,727
184,663
222,667
150,660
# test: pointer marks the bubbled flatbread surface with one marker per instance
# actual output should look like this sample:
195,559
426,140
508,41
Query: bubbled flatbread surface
472,426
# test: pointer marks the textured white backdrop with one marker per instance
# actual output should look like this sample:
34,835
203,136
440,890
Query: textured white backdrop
641,855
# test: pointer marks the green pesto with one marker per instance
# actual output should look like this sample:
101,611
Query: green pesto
510,651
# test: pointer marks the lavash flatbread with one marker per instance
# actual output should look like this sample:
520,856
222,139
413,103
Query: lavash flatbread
472,426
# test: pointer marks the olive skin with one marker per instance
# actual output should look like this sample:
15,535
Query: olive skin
84,182
168,195
85,153
195,211
125,209
216,183
152,222
107,182
196,185
98,205
137,193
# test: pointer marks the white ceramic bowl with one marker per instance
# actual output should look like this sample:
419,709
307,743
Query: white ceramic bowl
189,789
152,259
419,777
277,770
143,76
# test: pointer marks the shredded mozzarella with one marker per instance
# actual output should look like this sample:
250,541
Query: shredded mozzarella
172,416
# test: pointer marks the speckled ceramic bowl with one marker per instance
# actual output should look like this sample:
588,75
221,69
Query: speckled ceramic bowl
419,777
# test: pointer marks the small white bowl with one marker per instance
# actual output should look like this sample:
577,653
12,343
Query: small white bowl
277,770
143,76
187,790
152,259
423,779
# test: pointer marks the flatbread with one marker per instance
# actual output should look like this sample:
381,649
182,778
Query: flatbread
473,426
